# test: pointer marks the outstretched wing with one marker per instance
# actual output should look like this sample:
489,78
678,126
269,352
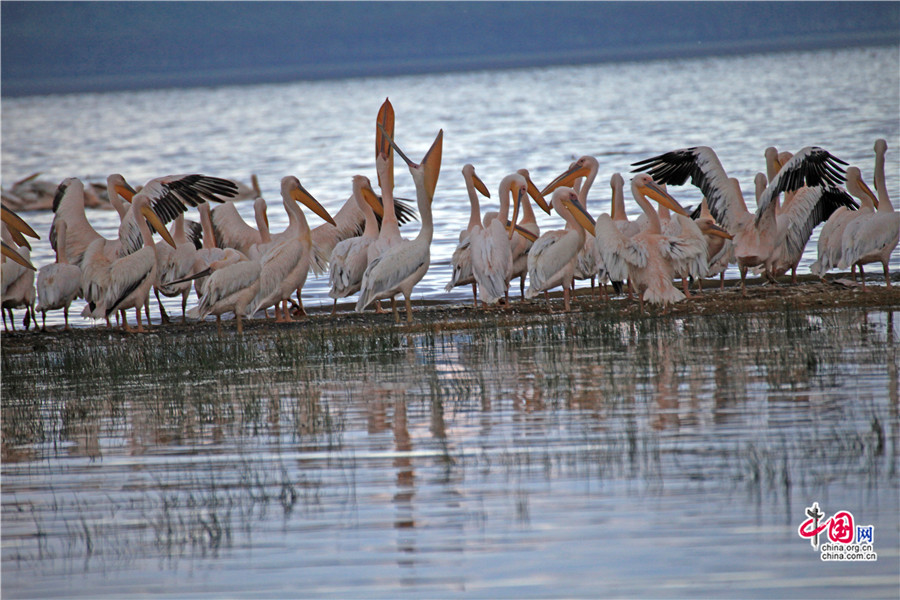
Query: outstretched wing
812,166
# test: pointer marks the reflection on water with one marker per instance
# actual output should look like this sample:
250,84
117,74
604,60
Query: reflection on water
572,456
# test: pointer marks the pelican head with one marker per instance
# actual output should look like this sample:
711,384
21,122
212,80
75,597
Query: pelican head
429,169
116,183
858,187
708,227
644,184
259,209
880,146
533,191
580,168
565,197
291,188
468,172
141,204
363,187
616,184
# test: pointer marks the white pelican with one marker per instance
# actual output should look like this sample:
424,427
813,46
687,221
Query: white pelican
131,277
231,287
587,266
175,263
756,237
399,269
551,261
491,244
58,283
167,196
872,237
719,245
829,247
350,257
461,261
286,264
17,273
646,259
232,231
526,230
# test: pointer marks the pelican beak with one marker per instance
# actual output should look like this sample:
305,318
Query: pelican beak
385,122
566,179
432,163
612,210
300,194
479,185
202,273
157,224
17,224
523,232
580,213
126,191
517,201
536,195
373,200
713,229
8,251
662,196
868,192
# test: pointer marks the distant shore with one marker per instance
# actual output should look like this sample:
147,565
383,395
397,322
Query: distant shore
319,71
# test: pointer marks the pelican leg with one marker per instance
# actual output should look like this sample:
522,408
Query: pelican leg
394,310
147,310
743,281
794,274
66,316
184,297
43,320
140,327
722,280
3,312
408,309
685,287
862,277
300,304
474,294
163,317
219,325
566,297
240,323
521,287
334,308
887,274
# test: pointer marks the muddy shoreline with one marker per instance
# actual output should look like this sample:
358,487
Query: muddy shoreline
810,295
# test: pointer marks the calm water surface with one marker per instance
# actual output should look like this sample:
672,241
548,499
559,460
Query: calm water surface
499,121
580,456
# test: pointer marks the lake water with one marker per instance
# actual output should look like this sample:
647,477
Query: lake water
576,457
500,121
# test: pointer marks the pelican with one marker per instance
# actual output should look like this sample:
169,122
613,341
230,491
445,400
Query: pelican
231,287
399,269
58,283
131,276
719,245
17,272
872,237
167,196
587,266
646,259
756,237
491,244
461,261
232,231
286,264
829,247
551,261
173,264
350,257
526,230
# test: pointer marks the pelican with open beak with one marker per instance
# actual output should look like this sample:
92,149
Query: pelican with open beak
401,267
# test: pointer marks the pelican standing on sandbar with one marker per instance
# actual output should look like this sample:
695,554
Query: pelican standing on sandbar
461,261
399,269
